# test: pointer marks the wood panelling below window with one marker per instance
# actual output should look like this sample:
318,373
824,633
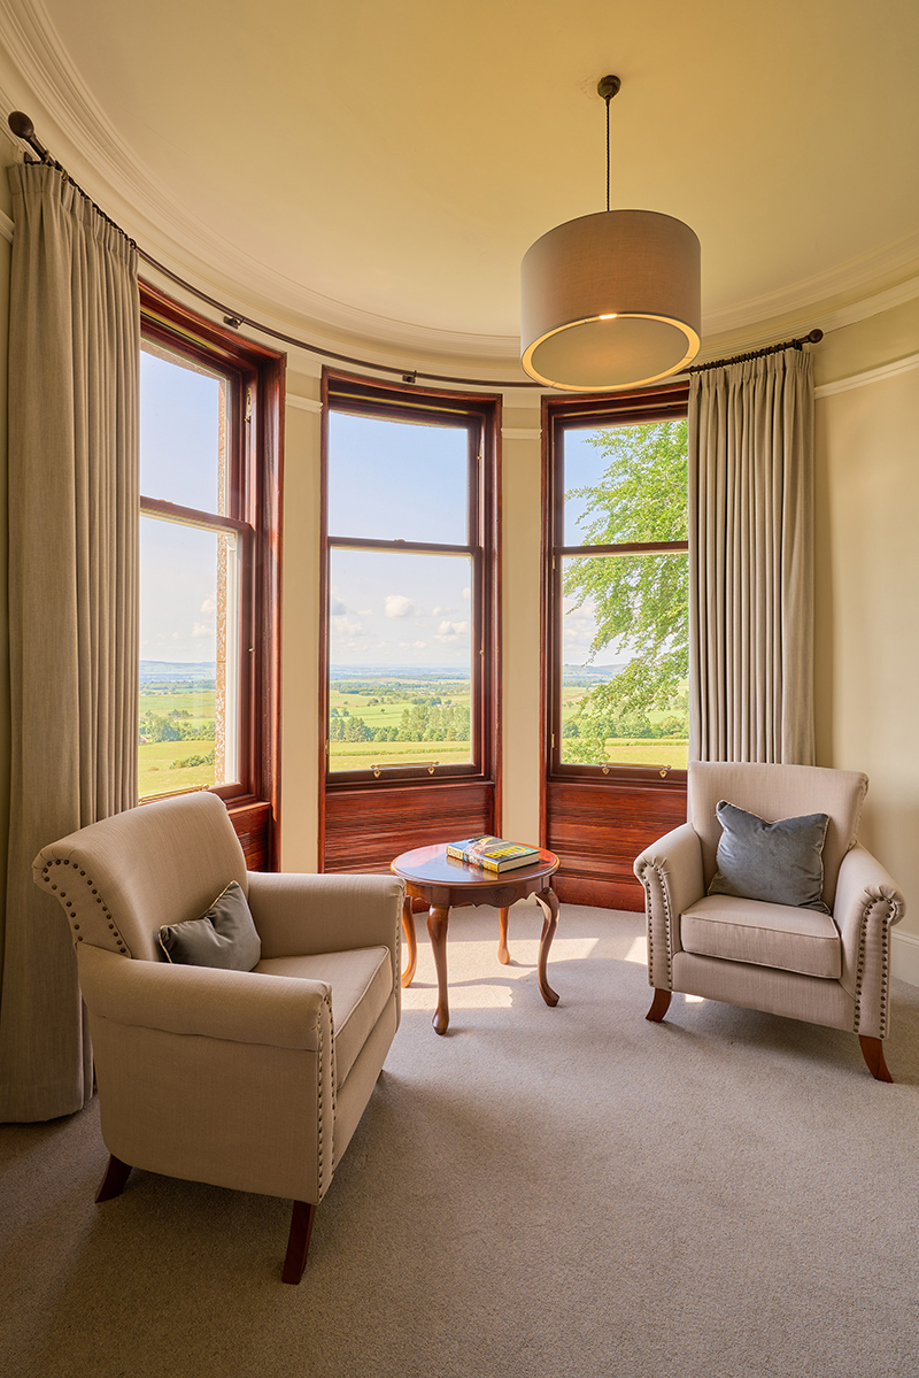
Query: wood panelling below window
253,828
366,828
597,831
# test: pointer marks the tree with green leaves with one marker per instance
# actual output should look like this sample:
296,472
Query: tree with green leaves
639,601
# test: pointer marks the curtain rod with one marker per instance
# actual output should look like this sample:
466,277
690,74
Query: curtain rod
813,337
24,129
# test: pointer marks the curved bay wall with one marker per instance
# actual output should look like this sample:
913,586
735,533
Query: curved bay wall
867,562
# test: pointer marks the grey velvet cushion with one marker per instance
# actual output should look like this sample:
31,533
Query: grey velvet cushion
781,862
225,936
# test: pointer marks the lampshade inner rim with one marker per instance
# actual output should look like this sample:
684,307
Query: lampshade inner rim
599,354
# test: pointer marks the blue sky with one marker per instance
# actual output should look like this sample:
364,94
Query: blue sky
387,480
179,416
584,466
396,481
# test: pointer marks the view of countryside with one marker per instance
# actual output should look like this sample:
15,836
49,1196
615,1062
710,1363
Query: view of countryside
625,486
177,730
400,627
423,716
389,719
397,718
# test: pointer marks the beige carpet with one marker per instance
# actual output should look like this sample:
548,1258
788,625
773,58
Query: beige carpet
568,1191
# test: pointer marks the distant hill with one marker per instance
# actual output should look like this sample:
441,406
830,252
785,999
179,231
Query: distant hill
589,674
178,671
354,672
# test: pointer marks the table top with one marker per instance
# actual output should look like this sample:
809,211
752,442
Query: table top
432,866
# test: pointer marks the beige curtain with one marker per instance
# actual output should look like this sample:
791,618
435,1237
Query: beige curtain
73,500
751,560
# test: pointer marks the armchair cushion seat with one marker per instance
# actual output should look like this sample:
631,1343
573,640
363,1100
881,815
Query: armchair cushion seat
769,935
362,984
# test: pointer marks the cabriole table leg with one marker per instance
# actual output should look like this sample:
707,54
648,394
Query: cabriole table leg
408,928
504,955
438,918
549,905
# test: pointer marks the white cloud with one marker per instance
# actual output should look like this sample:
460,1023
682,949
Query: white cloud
397,605
449,632
419,645
209,607
199,629
365,612
336,607
467,594
347,626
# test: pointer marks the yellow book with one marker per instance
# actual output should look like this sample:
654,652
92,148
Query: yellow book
492,853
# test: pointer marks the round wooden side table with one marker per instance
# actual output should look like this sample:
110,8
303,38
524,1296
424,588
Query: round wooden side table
443,884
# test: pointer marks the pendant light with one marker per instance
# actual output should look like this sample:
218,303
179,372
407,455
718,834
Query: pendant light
611,300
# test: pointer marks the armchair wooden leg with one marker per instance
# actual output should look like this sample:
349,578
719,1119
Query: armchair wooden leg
116,1174
873,1053
659,1005
298,1241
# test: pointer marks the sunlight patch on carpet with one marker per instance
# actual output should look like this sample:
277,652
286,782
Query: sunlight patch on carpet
638,952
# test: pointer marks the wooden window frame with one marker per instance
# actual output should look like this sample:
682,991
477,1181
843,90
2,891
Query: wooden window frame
596,817
480,414
255,394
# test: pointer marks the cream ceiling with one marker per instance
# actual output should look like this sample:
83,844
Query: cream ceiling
375,169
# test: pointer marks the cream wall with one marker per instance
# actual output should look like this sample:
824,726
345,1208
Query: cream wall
521,489
300,737
867,564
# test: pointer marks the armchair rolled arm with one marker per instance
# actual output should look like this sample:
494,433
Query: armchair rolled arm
300,914
867,906
238,1006
670,870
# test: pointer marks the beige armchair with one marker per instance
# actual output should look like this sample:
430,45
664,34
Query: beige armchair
831,969
254,1080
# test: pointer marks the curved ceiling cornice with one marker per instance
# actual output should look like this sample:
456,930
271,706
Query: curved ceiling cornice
81,136
133,177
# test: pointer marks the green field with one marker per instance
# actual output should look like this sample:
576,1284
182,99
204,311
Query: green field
156,774
381,704
646,752
362,755
155,769
386,712
628,751
377,705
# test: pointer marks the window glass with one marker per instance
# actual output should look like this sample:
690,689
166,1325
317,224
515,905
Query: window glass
409,693
622,689
182,432
189,579
400,651
396,480
190,600
625,483
624,672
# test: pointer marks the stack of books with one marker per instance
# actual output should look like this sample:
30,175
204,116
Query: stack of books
492,853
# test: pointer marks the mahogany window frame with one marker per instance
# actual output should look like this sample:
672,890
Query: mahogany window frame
254,438
480,414
665,402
